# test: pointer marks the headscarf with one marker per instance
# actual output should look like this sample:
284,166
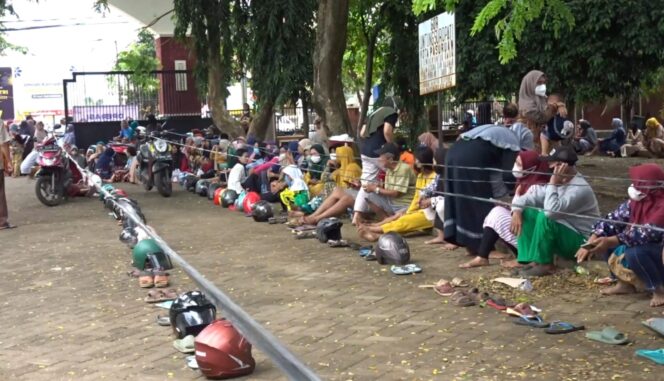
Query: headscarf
104,161
531,105
316,169
40,132
531,163
649,179
297,178
617,124
429,140
652,128
305,144
348,170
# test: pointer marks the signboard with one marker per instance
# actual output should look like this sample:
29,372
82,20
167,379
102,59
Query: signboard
104,113
6,94
437,46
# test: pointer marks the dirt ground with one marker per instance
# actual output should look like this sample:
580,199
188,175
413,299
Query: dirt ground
70,312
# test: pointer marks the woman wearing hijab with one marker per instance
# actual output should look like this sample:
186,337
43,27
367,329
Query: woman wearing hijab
104,165
636,257
534,106
611,145
347,172
654,138
529,170
40,132
428,139
317,164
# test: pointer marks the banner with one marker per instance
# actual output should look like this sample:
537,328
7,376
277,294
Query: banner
105,113
437,47
6,94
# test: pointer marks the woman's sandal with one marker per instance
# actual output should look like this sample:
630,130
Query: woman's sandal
146,279
160,279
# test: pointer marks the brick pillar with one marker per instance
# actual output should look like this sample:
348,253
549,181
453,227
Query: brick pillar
177,92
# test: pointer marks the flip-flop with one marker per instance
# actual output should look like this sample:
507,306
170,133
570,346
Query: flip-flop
458,282
531,321
656,355
444,288
534,271
185,345
608,335
191,362
521,309
160,279
371,256
163,321
401,270
414,268
7,226
465,301
337,243
158,296
656,324
560,327
303,228
495,305
607,280
146,279
365,250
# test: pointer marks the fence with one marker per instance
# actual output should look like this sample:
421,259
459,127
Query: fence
288,121
453,114
116,95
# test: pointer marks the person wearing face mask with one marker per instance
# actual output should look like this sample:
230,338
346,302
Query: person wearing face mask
553,231
413,218
316,168
611,145
635,251
528,170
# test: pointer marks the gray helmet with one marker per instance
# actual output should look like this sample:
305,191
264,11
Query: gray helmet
228,198
262,211
392,249
202,188
329,229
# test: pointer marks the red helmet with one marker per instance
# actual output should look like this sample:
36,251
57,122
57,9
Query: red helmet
222,352
248,203
119,193
217,196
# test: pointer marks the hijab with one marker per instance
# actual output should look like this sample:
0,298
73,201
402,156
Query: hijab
104,161
296,178
40,132
531,163
70,136
429,140
617,124
348,170
649,179
531,105
316,169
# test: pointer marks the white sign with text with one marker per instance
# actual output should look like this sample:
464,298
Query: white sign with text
437,47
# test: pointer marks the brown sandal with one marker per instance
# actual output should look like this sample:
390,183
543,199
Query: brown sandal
160,279
146,279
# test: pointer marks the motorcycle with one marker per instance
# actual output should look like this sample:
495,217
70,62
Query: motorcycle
56,175
156,165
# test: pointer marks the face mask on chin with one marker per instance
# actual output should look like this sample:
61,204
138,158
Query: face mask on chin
635,194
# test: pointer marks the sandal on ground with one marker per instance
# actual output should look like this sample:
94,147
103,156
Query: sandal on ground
444,288
535,271
496,305
305,234
465,301
135,273
371,256
337,243
608,335
405,269
146,279
160,279
531,321
158,296
7,226
521,309
163,321
365,250
656,324
277,220
560,327
191,362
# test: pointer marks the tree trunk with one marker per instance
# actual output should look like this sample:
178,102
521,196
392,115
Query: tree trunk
216,100
305,112
262,121
328,98
368,79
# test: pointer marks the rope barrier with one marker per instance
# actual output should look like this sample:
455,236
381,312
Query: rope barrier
252,330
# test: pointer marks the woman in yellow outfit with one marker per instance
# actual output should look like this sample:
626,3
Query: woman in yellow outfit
413,218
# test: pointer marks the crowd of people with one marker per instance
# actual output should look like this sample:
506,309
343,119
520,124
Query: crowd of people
515,182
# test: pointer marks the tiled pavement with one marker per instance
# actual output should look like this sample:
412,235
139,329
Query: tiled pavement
70,312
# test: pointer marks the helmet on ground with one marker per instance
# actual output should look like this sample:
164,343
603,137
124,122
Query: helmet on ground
141,251
249,201
392,249
190,313
202,188
128,237
239,203
190,183
217,195
262,211
228,198
159,261
222,352
211,189
119,193
329,229
107,187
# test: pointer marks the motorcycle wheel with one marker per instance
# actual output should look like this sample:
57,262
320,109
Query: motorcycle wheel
164,185
147,183
45,192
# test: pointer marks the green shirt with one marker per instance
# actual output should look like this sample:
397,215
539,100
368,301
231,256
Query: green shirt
401,179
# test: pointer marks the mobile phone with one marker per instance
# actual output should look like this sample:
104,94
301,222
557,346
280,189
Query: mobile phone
588,245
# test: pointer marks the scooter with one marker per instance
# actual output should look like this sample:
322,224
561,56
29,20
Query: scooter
56,173
156,165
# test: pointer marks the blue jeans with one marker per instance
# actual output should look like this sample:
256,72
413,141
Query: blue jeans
646,262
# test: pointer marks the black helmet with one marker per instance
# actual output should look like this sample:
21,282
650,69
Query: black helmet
202,188
228,198
190,183
190,313
262,211
211,188
392,249
129,237
329,229
159,261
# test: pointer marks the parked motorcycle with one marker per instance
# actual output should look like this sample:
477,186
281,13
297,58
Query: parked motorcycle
56,174
156,165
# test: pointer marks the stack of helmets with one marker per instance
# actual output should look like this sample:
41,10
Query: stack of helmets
148,254
222,352
202,188
249,201
217,195
228,197
190,313
190,183
393,249
329,229
262,211
211,189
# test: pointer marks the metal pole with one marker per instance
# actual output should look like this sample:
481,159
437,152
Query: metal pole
439,110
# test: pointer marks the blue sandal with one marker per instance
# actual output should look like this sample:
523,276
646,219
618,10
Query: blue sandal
559,327
531,321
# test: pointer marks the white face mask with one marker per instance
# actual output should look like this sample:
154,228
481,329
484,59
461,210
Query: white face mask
517,171
540,90
315,159
282,156
333,156
635,194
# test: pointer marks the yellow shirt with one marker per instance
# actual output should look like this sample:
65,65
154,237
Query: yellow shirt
422,182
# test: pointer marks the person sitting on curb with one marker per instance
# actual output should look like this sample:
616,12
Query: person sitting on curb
399,184
412,219
553,231
637,248
529,171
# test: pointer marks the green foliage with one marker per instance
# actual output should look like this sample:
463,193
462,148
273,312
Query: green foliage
280,49
141,59
6,9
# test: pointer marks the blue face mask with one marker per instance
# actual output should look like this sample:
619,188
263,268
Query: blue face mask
257,151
